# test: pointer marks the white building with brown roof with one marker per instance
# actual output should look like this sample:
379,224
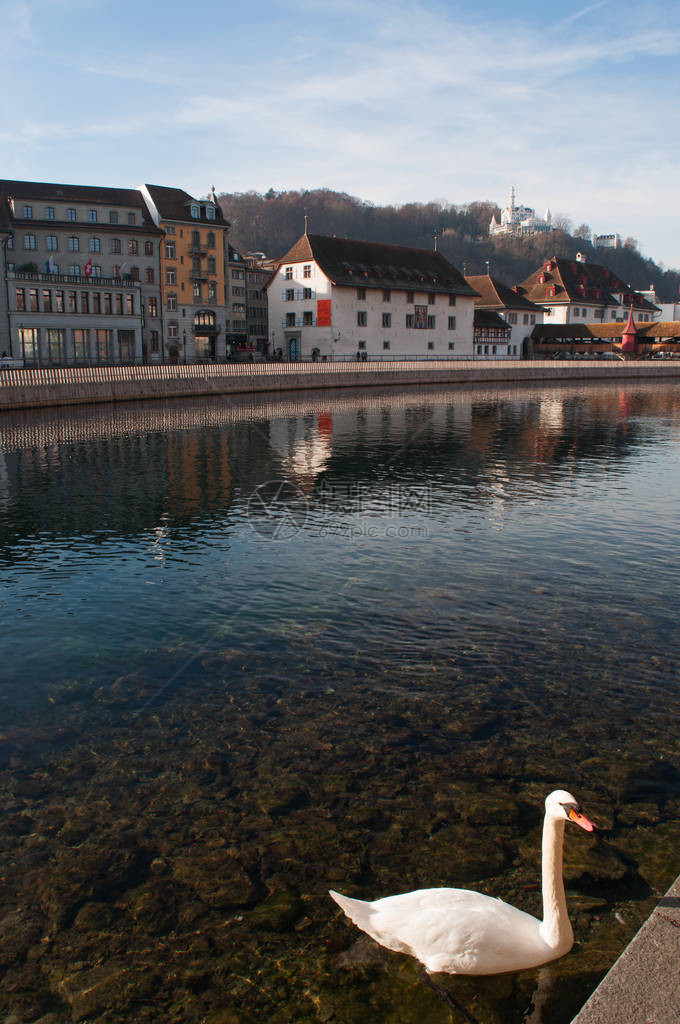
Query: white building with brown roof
576,291
337,298
520,314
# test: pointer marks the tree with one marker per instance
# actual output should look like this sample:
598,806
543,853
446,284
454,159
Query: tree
583,231
631,243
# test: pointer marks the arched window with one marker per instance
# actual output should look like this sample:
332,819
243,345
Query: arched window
204,318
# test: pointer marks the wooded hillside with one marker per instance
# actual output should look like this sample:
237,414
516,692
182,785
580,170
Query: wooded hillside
271,223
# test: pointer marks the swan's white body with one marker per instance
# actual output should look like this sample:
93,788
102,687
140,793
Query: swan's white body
464,932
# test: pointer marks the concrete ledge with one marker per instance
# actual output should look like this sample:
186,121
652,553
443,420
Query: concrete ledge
21,389
643,985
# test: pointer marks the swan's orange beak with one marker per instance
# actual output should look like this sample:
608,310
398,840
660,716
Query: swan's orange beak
580,819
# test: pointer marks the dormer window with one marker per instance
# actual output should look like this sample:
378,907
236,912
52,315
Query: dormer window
210,212
195,210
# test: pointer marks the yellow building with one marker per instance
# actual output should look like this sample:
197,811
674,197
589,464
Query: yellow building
193,289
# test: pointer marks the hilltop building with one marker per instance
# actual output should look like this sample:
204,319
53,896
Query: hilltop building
81,269
520,220
578,291
336,298
518,312
193,283
612,241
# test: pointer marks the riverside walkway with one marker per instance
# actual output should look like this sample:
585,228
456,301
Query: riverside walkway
28,388
642,986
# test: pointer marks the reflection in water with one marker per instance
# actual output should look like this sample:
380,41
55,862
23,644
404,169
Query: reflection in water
206,725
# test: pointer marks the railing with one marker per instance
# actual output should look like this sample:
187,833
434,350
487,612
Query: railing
74,279
51,376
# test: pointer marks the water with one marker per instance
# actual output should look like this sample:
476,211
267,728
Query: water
253,649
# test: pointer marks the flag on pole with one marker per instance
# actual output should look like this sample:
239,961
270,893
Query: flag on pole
87,269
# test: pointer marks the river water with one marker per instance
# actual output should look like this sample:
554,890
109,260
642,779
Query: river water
255,649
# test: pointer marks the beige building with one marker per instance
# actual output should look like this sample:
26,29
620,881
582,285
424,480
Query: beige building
82,270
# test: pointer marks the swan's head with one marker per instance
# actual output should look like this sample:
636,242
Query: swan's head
560,805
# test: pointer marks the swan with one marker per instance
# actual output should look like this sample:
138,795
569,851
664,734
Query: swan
458,931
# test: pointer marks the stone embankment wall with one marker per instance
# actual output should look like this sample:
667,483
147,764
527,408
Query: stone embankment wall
20,389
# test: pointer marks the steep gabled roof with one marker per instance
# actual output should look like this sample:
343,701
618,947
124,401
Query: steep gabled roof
493,294
562,280
174,203
489,318
346,261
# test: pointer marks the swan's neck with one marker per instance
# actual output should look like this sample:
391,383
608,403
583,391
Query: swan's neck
555,927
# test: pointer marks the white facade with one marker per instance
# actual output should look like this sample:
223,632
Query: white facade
372,320
520,220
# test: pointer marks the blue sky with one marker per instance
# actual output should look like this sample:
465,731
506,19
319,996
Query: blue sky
574,104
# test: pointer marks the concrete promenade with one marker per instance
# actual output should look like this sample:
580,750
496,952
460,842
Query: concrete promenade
27,388
643,985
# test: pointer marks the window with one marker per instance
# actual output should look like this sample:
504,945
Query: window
129,303
430,345
148,248
212,291
171,276
452,300
307,270
28,212
532,318
133,247
29,241
409,296
195,210
431,299
47,300
289,273
196,239
362,346
153,307
525,318
104,345
387,319
210,240
33,300
148,275
96,303
49,213
131,218
361,293
74,244
113,217
362,319
288,295
410,320
74,270
84,302
210,213
512,318
56,344
115,245
29,339
10,242
198,291
108,304
134,273
452,346
290,319
307,318
92,216
238,275
452,323
119,304
155,346
211,265
95,245
21,300
387,295
170,251
172,302
306,293
431,323
81,346
115,270
52,243
73,302
71,214
386,345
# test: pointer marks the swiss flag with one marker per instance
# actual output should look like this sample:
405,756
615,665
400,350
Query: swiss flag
88,268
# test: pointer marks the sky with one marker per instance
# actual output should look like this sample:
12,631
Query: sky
573,103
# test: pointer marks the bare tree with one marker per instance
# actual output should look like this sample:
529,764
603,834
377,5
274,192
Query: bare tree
583,231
